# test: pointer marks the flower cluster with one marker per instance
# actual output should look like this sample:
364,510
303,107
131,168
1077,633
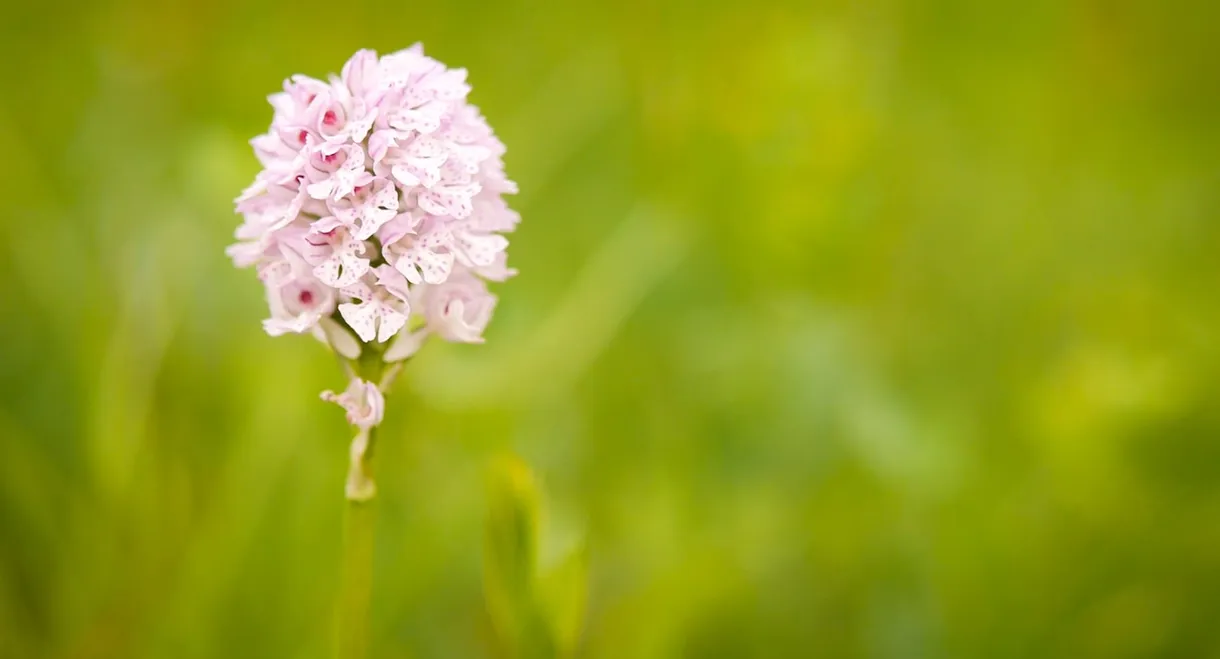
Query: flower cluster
379,206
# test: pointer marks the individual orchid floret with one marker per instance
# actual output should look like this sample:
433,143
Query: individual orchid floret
423,252
458,309
378,314
363,402
337,257
365,407
366,210
297,305
336,171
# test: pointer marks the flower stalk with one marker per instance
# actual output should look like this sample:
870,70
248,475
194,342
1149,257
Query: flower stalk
356,577
360,484
356,574
376,222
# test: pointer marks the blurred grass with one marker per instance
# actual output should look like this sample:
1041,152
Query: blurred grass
847,329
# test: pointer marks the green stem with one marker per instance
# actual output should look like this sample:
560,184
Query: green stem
356,575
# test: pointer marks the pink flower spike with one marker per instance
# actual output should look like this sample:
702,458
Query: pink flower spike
387,153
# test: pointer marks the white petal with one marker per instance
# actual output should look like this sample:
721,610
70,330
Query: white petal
482,249
393,281
321,189
358,290
359,128
436,267
328,272
361,318
407,264
429,202
391,321
328,224
279,326
457,329
381,141
354,268
403,175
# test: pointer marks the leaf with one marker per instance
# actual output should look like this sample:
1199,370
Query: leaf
510,548
562,595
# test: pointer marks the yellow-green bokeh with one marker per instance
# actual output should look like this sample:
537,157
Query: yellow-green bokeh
877,329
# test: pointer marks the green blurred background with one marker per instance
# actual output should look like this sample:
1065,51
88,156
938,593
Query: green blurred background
847,329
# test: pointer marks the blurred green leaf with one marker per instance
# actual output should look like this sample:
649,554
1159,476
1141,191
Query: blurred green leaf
562,594
510,551
536,612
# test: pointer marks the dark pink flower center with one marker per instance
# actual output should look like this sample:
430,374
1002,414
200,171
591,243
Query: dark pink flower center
330,157
306,297
330,118
301,136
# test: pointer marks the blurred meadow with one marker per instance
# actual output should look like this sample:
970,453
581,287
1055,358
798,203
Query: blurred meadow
876,329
